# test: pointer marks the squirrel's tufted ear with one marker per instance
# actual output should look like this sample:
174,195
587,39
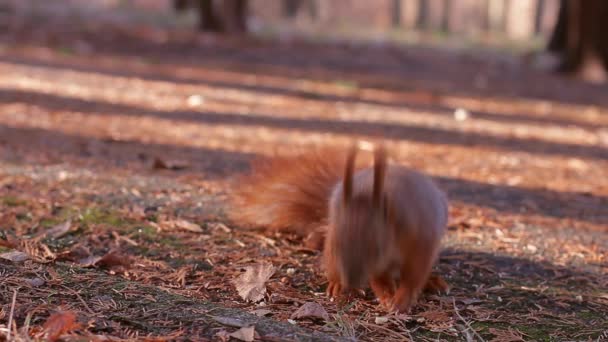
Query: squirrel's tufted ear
348,173
379,174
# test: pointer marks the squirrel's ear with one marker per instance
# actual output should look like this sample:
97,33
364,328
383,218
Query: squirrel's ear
379,174
348,173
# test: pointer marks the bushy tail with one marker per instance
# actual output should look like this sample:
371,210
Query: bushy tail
288,193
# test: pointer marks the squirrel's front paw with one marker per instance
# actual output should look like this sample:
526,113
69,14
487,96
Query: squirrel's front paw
402,301
334,289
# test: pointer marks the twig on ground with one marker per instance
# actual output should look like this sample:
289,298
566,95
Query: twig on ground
469,327
400,336
10,316
75,293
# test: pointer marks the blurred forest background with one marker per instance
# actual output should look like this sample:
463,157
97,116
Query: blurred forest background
491,22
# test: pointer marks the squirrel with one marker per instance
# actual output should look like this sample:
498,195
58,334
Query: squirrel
374,223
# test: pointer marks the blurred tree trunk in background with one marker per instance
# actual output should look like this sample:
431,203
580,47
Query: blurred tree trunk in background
235,15
208,20
396,13
230,17
579,38
291,7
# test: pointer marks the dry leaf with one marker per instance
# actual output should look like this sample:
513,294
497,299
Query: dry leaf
251,285
7,243
244,334
114,259
89,261
469,301
59,230
223,335
229,321
59,324
169,164
35,282
15,256
38,251
261,312
381,320
311,310
108,260
189,226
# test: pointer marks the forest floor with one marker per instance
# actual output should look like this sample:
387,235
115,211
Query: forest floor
118,145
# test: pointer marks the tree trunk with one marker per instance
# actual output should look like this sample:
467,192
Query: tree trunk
396,13
208,21
235,15
232,17
579,38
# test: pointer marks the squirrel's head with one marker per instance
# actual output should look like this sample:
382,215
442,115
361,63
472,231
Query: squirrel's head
362,225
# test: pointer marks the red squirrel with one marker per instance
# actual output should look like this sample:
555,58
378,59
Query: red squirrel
375,223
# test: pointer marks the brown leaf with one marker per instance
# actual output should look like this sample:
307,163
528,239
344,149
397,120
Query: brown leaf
38,251
58,324
311,310
229,321
169,164
8,243
35,282
223,335
244,334
89,261
251,285
59,230
15,256
183,224
108,260
261,312
469,301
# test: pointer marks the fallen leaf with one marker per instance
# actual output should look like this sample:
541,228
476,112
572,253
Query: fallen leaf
89,261
223,335
35,282
169,164
7,243
469,301
38,251
58,324
311,310
251,285
189,226
15,256
261,312
244,334
59,230
229,321
381,320
108,260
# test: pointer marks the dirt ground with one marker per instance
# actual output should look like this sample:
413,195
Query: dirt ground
118,144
